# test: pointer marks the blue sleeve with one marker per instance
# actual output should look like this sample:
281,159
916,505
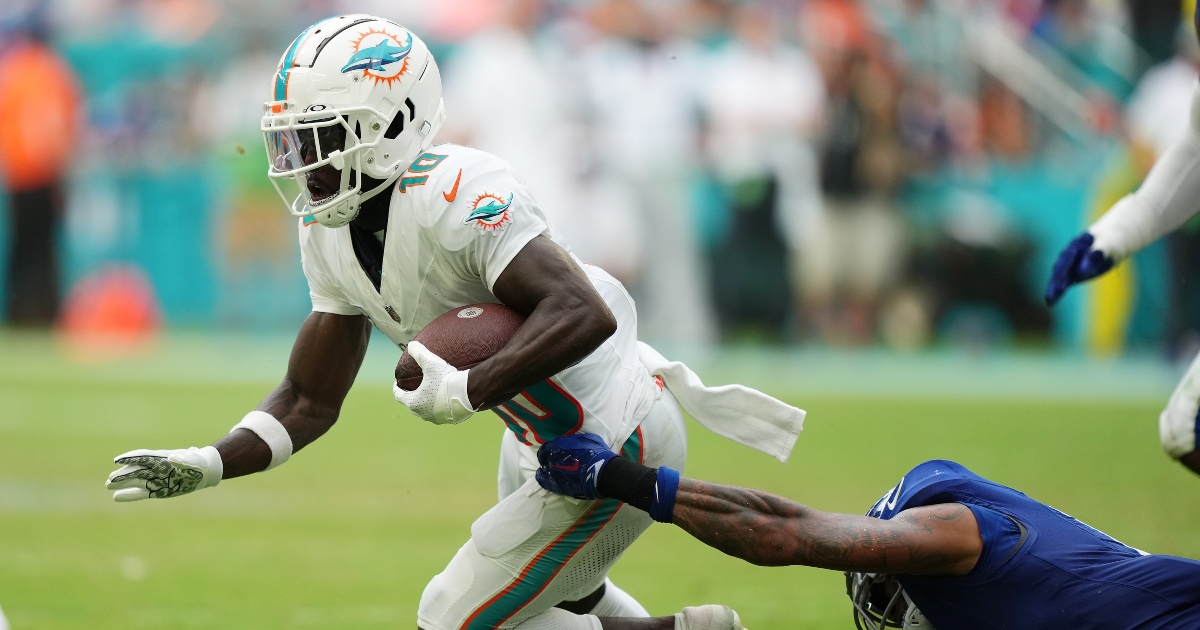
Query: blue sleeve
1000,535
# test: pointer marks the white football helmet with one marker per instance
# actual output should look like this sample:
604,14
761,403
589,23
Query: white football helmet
355,96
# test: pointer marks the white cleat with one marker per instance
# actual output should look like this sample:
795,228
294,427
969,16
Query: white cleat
710,617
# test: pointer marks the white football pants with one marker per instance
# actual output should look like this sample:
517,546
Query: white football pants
535,549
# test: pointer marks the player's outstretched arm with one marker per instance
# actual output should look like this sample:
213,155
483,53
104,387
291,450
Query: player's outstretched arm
760,527
325,360
566,319
1167,199
324,363
769,530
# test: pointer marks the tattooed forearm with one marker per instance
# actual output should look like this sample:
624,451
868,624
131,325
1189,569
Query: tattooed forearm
772,531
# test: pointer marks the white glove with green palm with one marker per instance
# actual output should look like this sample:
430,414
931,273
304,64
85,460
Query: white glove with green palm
147,474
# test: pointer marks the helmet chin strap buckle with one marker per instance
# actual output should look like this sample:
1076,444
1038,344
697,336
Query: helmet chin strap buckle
337,160
425,127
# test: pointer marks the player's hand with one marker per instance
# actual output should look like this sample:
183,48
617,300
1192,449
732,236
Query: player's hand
1077,263
441,398
147,474
571,465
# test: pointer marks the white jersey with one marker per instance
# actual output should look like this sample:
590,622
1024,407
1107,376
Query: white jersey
458,216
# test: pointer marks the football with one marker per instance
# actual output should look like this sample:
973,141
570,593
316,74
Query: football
464,337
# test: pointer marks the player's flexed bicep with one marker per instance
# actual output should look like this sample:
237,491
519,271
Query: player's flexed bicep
325,360
495,235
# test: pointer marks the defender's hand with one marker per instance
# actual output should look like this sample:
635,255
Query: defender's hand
1077,263
441,398
147,474
571,465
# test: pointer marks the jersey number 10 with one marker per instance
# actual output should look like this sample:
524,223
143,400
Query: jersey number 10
541,413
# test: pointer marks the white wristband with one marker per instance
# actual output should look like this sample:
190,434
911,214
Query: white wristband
271,431
216,467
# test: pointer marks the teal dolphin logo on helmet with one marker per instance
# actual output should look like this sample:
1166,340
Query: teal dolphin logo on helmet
379,55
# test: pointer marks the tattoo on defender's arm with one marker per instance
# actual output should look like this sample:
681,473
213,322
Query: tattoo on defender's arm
768,530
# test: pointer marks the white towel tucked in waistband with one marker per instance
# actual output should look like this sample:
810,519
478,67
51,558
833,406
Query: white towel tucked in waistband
746,416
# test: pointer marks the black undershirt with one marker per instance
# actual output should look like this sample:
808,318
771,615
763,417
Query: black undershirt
372,218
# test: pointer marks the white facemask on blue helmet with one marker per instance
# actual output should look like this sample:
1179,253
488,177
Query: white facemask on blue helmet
356,100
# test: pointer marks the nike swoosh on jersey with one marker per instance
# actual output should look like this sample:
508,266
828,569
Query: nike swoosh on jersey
453,194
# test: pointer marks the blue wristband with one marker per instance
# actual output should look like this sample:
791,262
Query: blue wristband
662,508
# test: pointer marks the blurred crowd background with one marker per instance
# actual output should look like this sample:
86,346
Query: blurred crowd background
830,172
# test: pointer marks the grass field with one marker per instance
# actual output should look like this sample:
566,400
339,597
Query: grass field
348,533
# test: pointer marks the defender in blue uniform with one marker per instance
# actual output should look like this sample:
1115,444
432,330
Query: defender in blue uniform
944,549
1037,567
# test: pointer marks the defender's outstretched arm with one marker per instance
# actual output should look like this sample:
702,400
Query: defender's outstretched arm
760,527
1168,198
325,360
769,530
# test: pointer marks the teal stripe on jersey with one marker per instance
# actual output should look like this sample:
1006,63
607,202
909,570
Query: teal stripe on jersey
632,448
543,568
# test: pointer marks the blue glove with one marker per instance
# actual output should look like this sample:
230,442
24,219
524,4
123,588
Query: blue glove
571,465
1077,263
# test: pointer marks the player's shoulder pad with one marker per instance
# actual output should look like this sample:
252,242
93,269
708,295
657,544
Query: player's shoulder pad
468,192
309,230
925,480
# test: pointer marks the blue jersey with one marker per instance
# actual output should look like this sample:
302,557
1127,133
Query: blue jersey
1039,567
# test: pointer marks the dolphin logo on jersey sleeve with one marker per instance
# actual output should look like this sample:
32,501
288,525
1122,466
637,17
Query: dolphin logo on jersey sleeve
492,216
490,211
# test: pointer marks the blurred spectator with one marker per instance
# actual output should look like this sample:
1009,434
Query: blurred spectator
651,130
763,100
1073,29
641,114
852,247
1003,125
927,42
506,93
1155,24
39,100
703,22
937,83
1159,108
256,235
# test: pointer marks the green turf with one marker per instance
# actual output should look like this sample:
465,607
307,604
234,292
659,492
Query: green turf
348,533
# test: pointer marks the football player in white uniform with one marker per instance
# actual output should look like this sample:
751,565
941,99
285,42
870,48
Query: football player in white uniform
1167,199
393,233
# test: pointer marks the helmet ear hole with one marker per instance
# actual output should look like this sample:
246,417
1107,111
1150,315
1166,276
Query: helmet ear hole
396,128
